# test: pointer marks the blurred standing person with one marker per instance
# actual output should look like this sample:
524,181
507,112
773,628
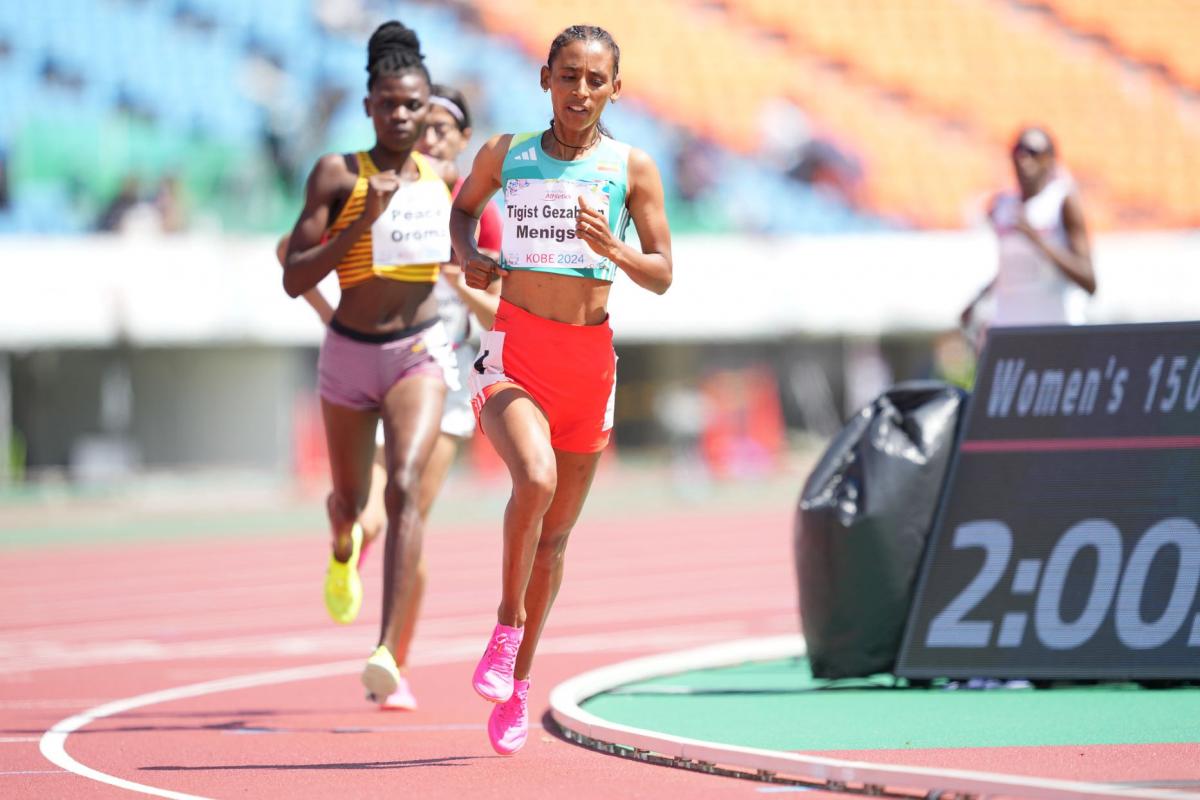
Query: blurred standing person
128,211
544,383
4,192
1045,263
169,202
379,218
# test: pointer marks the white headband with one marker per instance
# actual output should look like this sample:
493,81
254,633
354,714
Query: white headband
450,106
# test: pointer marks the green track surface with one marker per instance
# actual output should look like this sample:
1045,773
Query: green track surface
780,706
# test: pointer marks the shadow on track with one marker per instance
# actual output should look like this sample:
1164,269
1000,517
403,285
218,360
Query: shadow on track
442,761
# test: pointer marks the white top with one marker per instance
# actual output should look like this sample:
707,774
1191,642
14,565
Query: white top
1030,289
415,226
539,223
461,325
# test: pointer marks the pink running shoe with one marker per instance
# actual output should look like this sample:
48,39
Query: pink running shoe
400,700
494,675
508,726
366,544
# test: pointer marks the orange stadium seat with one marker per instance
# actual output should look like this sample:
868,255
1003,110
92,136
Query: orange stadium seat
926,94
653,69
995,68
691,82
1161,31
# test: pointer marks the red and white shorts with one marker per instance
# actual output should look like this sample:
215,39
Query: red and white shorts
570,371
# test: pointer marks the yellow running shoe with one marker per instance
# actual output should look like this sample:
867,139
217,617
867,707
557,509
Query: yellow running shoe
380,676
343,587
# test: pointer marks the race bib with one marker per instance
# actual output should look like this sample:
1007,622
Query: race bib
539,222
414,228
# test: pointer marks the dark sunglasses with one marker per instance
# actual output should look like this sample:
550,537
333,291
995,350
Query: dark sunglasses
1032,151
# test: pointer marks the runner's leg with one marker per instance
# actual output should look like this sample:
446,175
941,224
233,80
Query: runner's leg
412,412
575,474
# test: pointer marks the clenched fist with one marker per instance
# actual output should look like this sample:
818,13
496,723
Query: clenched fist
380,188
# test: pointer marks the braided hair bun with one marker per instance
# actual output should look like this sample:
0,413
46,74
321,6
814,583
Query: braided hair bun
393,50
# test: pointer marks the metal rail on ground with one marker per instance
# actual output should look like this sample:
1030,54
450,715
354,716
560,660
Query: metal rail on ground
778,766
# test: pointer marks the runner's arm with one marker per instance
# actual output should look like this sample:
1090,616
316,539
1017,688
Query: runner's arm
482,303
483,181
313,296
309,259
650,267
1075,260
1078,266
968,313
488,237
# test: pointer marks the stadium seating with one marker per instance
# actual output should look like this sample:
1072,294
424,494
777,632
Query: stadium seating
920,99
1154,31
110,88
993,68
928,94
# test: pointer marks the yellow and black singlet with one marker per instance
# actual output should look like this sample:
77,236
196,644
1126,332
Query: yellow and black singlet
411,239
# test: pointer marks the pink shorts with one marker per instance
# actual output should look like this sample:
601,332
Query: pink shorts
356,370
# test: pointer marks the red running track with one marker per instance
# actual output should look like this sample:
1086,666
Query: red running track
88,625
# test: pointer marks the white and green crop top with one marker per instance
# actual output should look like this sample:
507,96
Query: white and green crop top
541,196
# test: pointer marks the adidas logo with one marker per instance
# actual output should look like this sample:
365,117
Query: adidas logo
528,155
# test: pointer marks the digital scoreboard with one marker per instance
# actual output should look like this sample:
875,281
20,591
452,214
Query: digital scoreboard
1067,544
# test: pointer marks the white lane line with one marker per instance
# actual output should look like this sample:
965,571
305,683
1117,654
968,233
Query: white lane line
149,609
737,590
449,726
239,584
565,702
175,602
16,739
49,704
53,743
61,654
35,772
734,585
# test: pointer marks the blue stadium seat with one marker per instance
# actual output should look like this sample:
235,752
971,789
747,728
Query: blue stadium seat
46,208
192,79
232,16
23,22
